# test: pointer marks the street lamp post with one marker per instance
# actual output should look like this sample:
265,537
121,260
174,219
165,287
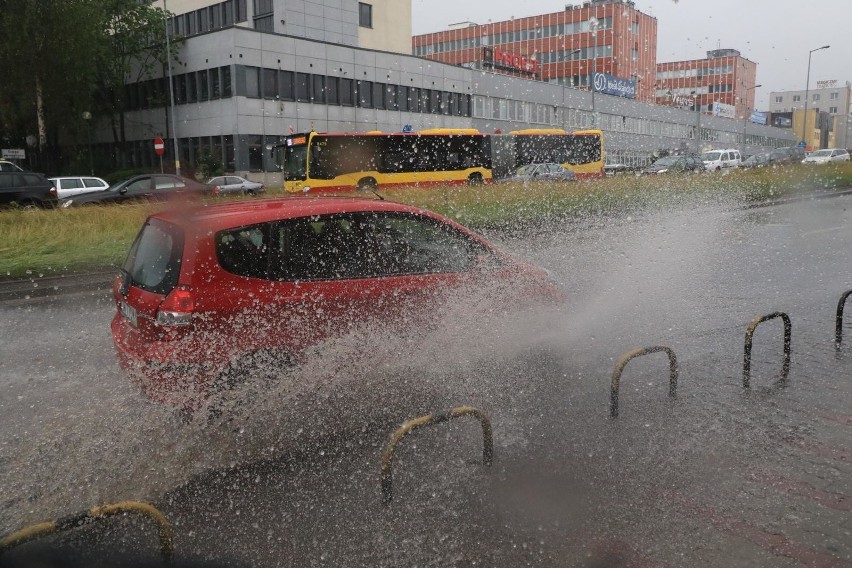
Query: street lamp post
807,87
746,113
171,88
87,116
566,58
593,27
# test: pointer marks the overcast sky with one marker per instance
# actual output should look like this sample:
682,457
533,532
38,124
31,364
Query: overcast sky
776,34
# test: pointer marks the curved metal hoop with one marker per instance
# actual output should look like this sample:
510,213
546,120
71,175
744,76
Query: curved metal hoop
749,336
619,368
33,532
838,323
403,431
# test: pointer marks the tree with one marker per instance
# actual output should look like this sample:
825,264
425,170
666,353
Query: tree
61,58
134,48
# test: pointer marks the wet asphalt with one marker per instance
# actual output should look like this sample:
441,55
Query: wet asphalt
719,475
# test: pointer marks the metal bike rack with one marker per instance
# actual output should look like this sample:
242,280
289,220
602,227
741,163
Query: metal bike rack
619,368
33,532
788,333
838,324
430,419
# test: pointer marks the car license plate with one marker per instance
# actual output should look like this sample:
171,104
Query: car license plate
129,312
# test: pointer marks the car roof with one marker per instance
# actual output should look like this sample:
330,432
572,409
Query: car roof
240,213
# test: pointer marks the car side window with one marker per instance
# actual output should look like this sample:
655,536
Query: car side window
244,251
139,186
369,245
233,180
92,182
71,183
164,182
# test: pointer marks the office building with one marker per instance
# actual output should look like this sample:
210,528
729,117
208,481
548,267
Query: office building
569,47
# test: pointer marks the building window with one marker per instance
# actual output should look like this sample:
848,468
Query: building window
832,110
286,86
779,99
263,16
797,98
365,15
270,83
834,96
815,97
303,87
634,28
318,90
225,73
365,94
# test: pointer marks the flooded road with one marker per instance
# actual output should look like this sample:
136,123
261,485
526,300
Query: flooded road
717,476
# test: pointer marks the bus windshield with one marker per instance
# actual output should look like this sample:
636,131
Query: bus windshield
295,162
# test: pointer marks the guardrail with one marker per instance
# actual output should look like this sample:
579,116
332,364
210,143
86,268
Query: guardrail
33,532
622,362
838,322
788,332
430,419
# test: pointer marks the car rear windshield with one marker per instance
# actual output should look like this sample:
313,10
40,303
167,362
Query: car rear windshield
153,263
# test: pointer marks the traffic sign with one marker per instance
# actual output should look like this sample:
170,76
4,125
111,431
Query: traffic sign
159,146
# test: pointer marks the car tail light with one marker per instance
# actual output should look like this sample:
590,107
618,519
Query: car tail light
177,309
53,192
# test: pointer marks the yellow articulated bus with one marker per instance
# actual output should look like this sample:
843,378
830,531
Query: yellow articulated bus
581,151
316,162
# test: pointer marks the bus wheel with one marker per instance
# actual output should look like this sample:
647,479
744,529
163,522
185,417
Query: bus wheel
366,184
474,179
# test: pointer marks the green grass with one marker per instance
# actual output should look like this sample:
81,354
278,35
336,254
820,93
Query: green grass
63,241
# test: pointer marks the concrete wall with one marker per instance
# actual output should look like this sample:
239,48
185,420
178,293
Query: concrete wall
391,29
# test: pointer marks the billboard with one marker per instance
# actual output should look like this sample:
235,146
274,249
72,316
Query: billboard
757,117
723,110
781,119
495,58
609,85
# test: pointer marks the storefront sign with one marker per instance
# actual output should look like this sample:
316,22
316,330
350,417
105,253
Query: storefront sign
723,110
494,58
757,117
609,85
13,154
827,84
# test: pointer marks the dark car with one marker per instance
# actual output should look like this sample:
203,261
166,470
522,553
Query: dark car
675,164
26,189
147,187
542,172
789,155
760,160
206,293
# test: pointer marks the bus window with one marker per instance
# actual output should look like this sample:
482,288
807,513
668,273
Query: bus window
295,162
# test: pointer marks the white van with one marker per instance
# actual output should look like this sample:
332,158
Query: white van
718,160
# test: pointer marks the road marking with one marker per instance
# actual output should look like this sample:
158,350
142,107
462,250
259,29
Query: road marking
818,231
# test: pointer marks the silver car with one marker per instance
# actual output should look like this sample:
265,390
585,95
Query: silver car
235,184
68,186
542,172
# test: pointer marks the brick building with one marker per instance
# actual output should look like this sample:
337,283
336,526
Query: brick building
722,84
569,47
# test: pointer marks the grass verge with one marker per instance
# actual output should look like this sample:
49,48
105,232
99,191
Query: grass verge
65,241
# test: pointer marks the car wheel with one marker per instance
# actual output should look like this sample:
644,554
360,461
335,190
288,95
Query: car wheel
250,192
29,205
367,184
254,371
475,179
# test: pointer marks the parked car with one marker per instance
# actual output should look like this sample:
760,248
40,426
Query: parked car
613,168
759,160
68,186
147,187
207,292
26,189
9,167
718,160
542,172
790,154
234,184
827,155
675,164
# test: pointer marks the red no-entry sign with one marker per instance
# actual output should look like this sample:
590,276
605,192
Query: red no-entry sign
159,146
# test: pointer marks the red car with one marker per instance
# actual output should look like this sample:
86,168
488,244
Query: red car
205,292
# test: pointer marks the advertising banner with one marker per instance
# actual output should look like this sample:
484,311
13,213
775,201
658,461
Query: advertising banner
723,110
757,117
609,85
